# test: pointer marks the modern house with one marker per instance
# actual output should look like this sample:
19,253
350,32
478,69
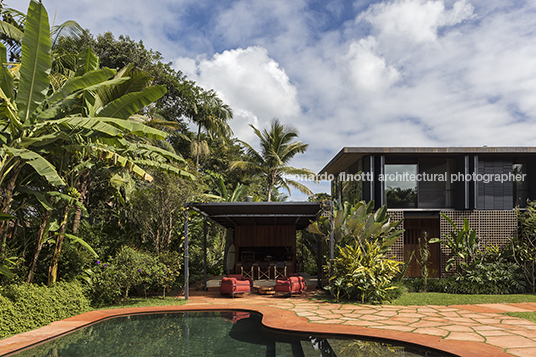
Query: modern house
482,184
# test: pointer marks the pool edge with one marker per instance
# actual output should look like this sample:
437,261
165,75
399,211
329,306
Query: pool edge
272,317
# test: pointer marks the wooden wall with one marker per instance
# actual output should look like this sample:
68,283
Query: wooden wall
414,229
265,236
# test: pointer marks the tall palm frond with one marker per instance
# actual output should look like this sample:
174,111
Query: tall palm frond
277,149
210,113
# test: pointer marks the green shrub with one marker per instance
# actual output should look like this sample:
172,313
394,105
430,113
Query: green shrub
131,271
173,262
398,289
363,274
26,307
417,285
10,317
105,286
490,278
498,277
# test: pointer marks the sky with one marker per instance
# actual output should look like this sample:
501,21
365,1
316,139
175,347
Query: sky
345,73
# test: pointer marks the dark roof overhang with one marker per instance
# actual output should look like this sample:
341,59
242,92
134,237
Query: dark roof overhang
349,155
232,214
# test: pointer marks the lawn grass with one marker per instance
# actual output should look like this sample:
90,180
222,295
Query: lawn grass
144,302
441,299
531,315
444,299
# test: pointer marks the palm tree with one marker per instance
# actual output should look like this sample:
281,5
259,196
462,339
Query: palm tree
277,149
209,112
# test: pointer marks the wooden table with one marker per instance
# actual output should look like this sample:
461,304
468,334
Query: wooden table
265,290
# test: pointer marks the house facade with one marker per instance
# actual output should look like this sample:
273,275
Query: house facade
482,184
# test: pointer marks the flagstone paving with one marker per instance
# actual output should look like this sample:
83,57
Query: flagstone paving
484,323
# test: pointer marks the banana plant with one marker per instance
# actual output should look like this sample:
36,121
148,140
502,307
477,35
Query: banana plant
4,269
38,118
464,244
34,118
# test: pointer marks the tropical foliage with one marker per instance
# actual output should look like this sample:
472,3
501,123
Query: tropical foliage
128,271
358,223
26,307
523,246
53,135
363,273
464,244
361,269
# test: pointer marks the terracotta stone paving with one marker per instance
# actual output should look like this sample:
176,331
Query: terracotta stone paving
484,323
465,330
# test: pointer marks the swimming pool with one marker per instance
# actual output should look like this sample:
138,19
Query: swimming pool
224,333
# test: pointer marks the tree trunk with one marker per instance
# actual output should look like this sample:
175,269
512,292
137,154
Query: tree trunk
6,204
38,246
53,268
198,147
170,230
271,182
83,189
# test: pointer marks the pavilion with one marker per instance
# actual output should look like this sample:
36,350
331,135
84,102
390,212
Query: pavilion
258,230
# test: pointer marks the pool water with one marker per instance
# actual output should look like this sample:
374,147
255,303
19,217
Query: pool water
231,333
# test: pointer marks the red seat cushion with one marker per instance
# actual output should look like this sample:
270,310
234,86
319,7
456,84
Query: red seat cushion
232,285
240,277
294,284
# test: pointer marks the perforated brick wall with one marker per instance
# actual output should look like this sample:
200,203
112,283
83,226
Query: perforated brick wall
494,227
397,250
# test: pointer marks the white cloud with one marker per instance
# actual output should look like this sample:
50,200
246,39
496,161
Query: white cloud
251,82
414,20
368,71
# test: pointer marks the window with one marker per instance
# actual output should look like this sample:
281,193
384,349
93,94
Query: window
521,187
435,187
400,182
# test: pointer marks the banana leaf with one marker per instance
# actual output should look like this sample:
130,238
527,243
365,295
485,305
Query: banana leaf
5,271
44,139
136,81
40,196
6,217
6,79
167,168
88,79
11,31
82,242
35,61
136,128
39,164
131,103
150,149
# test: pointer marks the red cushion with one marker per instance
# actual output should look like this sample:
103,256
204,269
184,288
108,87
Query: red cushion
294,282
232,285
240,277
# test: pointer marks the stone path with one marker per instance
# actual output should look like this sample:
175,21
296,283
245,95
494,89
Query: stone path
483,323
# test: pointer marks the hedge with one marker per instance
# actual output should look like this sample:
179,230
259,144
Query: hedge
26,307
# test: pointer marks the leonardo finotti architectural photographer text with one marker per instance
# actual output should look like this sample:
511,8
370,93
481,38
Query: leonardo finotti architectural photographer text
407,177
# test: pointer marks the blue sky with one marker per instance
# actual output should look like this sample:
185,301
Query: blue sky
346,73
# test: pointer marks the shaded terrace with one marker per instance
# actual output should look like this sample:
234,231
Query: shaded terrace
258,231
